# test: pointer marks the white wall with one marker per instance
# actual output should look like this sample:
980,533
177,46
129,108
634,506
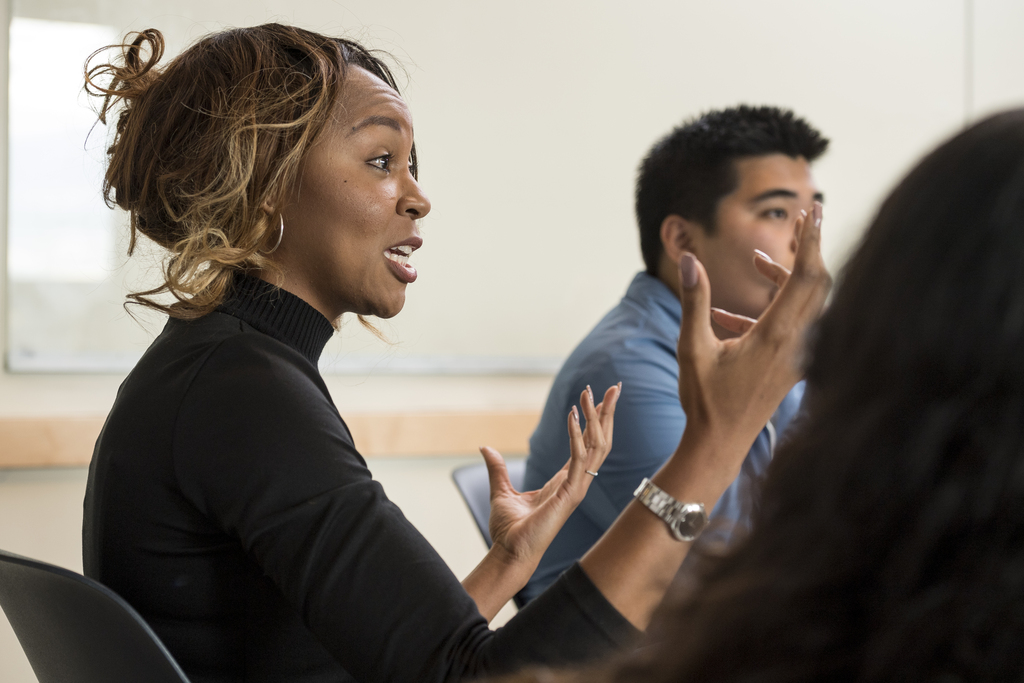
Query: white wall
532,116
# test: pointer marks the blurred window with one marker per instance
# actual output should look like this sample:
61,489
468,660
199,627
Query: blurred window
64,311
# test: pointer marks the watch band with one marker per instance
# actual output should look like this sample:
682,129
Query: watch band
684,520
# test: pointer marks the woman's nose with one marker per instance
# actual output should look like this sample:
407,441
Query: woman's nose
413,202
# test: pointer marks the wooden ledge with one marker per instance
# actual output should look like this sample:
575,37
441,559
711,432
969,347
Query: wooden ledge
48,441
399,434
68,441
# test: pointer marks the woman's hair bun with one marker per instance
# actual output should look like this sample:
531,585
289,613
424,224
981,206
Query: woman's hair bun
127,75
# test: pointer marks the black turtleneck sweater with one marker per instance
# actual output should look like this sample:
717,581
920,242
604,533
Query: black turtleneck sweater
227,503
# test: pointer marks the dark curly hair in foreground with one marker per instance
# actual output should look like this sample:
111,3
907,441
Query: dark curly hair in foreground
890,541
689,170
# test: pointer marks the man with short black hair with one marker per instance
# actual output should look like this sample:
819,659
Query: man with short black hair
721,186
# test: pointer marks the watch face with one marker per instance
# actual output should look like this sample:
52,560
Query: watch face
690,522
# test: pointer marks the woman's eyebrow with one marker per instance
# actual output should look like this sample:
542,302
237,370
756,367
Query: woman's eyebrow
376,120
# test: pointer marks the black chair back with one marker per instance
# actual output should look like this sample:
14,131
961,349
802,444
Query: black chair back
75,630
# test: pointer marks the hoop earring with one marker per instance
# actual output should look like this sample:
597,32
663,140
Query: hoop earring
280,236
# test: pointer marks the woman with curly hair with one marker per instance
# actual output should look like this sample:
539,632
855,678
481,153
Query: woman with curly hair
889,544
226,499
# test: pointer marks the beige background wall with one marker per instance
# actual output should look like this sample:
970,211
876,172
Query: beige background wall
531,118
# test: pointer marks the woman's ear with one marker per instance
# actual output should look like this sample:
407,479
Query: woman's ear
267,207
678,235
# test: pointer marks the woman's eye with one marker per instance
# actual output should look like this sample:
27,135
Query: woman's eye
382,162
776,213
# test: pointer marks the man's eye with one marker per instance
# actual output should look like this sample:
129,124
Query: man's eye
382,162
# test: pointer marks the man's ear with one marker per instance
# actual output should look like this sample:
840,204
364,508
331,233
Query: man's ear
678,235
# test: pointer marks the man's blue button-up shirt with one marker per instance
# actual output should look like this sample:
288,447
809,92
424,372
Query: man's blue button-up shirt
634,343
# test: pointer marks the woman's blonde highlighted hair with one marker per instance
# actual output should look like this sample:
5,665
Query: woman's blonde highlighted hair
202,144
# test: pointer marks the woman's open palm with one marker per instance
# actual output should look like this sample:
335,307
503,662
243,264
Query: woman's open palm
524,523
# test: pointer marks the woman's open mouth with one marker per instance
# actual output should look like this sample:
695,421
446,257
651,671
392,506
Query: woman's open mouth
398,259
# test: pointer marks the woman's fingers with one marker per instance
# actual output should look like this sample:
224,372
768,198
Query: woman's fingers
778,274
607,415
799,227
695,335
600,418
809,260
593,437
497,472
577,446
589,413
589,447
732,321
800,301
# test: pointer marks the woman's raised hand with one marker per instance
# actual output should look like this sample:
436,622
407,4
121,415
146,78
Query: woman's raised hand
732,387
523,524
729,389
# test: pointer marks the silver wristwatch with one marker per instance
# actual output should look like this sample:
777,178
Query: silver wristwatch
685,520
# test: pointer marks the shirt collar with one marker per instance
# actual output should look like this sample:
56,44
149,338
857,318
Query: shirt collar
646,289
279,314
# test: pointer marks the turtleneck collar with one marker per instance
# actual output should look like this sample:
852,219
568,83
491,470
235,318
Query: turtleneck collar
280,314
